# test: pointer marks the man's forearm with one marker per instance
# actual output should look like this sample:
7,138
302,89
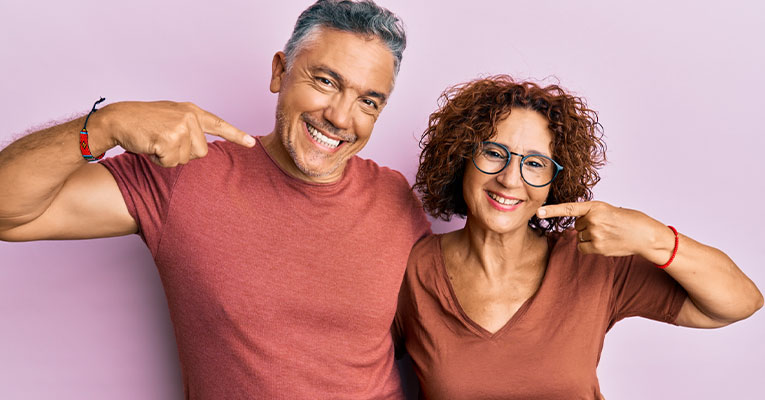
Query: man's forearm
34,168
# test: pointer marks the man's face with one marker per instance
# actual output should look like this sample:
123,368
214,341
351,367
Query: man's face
329,100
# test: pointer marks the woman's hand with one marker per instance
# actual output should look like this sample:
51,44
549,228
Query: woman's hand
614,231
719,292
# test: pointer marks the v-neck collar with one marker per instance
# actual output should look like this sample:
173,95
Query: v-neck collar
468,322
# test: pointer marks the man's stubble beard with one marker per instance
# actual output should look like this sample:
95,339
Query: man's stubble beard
283,129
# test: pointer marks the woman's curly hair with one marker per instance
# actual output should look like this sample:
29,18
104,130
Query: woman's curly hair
468,114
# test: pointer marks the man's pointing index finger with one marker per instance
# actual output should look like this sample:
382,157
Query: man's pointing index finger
215,125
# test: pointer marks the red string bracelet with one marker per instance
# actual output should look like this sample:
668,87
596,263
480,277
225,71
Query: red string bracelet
84,148
674,251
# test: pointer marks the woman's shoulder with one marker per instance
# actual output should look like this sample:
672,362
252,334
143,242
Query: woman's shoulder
424,279
562,240
425,265
426,248
565,256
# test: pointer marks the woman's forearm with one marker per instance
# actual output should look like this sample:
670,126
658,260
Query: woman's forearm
715,284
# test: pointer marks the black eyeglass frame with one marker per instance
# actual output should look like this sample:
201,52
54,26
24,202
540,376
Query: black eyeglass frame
558,167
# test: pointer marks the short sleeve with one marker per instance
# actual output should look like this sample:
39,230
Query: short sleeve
147,190
409,205
419,219
642,289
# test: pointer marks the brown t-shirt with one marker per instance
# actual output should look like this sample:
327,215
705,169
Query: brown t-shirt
277,288
550,348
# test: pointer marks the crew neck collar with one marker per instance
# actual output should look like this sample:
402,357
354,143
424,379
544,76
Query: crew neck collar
301,182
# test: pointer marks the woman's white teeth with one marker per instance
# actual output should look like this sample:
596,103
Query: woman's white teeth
501,200
316,135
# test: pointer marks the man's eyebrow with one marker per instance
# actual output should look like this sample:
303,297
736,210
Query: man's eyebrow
330,72
377,95
341,81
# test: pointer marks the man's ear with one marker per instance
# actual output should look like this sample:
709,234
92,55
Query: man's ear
278,69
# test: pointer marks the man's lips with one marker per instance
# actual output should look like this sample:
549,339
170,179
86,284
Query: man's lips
322,138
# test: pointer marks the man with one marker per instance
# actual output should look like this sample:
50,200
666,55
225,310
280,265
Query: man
282,256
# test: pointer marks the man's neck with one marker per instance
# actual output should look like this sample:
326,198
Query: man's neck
273,145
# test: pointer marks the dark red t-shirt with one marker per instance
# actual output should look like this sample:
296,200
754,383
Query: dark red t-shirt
277,288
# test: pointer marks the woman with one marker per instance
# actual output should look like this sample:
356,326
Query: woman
516,304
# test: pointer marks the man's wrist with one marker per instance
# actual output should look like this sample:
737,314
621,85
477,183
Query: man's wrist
99,138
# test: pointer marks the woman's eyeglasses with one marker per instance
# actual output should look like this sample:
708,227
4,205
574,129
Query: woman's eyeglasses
536,170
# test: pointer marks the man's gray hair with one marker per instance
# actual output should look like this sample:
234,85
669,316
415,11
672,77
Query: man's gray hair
363,17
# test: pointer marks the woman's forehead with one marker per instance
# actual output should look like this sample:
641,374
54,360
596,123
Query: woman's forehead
524,130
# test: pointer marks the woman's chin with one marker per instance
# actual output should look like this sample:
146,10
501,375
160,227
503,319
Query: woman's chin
502,225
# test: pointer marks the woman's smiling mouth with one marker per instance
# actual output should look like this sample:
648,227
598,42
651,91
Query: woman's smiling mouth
503,203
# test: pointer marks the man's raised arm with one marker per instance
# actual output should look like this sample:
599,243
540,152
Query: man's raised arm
49,191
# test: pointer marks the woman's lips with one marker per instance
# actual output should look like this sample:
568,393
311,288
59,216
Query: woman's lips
503,203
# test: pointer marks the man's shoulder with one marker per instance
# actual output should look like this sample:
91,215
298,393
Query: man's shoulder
367,169
224,156
391,189
223,148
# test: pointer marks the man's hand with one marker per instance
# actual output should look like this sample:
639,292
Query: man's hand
47,190
613,231
169,133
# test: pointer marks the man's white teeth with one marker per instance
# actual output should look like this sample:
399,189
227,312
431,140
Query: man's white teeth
316,135
501,200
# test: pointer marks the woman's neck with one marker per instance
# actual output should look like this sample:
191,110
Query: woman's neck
499,255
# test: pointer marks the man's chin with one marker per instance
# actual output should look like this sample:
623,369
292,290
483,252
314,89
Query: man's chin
319,172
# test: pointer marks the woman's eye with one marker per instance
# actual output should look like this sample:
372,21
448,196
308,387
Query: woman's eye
493,154
535,163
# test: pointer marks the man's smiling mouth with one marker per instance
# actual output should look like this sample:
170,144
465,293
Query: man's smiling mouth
321,138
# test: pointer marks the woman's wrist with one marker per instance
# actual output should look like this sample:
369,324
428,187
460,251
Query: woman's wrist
662,245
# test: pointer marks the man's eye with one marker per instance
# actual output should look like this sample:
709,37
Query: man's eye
324,81
370,103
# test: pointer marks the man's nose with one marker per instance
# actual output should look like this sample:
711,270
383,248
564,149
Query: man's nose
339,112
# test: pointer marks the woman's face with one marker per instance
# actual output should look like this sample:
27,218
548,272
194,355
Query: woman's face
503,202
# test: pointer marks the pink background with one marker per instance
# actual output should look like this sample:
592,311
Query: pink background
678,86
